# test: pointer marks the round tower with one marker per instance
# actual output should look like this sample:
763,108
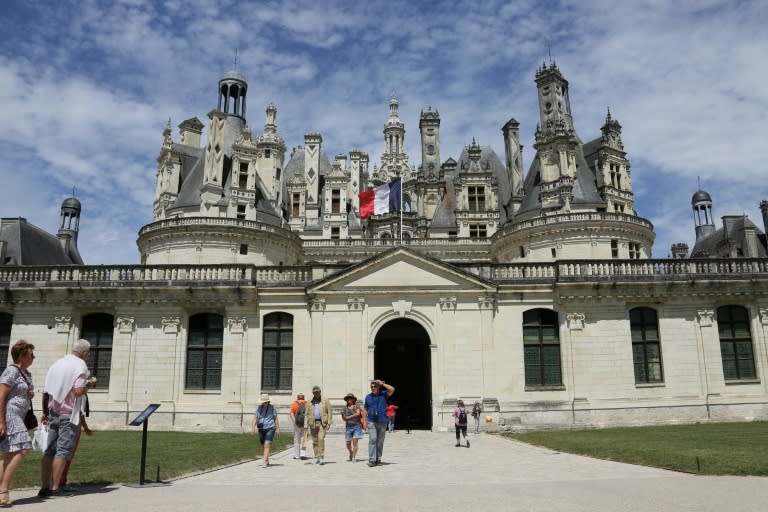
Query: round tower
232,91
701,202
70,218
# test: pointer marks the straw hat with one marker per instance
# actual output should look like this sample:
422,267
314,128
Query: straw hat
350,395
264,398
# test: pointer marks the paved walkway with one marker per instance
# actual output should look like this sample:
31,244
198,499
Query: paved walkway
424,471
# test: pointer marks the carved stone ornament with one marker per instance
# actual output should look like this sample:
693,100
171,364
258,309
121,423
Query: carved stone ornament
237,324
171,324
764,316
706,317
63,323
355,303
448,303
401,307
575,321
317,304
125,324
486,302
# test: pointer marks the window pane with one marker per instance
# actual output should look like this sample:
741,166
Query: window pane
532,366
197,338
195,359
271,338
213,379
654,373
213,359
286,339
194,379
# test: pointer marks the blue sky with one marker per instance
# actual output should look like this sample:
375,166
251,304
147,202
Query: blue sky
86,88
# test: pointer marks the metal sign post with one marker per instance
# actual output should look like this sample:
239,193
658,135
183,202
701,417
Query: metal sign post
143,419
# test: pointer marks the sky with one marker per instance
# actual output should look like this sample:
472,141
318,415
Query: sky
87,87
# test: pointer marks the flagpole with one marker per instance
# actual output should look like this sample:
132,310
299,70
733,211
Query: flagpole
401,210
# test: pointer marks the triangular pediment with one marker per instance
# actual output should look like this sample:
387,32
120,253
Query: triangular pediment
401,269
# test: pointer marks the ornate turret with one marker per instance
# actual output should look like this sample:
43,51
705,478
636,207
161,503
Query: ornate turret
702,214
69,224
429,126
232,92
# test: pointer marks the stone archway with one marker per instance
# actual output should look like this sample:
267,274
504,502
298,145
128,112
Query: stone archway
402,357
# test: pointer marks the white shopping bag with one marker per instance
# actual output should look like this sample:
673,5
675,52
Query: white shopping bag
40,439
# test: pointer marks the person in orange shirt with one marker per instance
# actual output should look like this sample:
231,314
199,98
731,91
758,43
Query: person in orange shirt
298,413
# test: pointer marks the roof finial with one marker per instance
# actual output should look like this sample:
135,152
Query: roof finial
73,191
549,50
235,59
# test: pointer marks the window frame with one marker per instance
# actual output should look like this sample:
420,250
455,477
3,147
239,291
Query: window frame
641,319
212,331
733,343
280,323
103,323
544,324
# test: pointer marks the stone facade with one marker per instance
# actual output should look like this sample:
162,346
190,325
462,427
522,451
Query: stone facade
532,293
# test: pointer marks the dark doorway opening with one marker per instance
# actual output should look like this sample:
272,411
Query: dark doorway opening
402,358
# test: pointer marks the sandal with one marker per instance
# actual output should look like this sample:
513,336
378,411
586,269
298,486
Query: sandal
7,501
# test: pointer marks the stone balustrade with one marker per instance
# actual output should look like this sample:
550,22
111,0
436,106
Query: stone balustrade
559,271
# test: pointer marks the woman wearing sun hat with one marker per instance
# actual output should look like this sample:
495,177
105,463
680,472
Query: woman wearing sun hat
265,419
354,419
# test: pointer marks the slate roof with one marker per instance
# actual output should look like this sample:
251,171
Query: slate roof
28,244
716,243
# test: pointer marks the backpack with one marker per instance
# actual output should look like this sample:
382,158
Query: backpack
462,416
300,414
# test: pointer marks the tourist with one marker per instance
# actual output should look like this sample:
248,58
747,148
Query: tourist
63,483
391,412
16,392
476,410
376,411
265,419
318,421
298,416
460,413
67,384
354,419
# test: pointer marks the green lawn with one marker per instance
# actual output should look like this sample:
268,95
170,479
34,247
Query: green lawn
114,457
708,449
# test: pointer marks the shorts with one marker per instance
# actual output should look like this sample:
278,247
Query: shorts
61,437
355,432
266,436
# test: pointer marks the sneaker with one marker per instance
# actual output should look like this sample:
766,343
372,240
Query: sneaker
67,488
322,461
458,444
371,463
44,493
467,443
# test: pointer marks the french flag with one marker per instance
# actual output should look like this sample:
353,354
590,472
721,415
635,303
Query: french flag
382,199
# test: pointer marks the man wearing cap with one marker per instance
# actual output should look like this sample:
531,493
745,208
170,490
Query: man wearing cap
376,411
298,415
318,421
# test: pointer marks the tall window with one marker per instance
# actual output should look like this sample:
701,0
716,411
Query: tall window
243,178
295,204
98,329
204,351
277,352
335,200
634,251
476,197
646,348
541,343
735,343
614,248
6,322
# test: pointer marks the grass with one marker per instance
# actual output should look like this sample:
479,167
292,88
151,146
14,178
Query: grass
114,456
707,449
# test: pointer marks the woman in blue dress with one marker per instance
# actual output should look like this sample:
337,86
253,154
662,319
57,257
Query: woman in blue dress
16,392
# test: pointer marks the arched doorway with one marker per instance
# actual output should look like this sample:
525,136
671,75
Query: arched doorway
402,358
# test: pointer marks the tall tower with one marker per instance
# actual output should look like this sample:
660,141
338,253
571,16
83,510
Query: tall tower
429,127
513,151
394,161
555,140
614,181
312,145
270,153
225,125
702,214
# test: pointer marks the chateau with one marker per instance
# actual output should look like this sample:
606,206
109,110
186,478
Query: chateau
530,290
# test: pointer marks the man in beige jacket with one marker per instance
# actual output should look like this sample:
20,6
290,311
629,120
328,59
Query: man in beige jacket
318,420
